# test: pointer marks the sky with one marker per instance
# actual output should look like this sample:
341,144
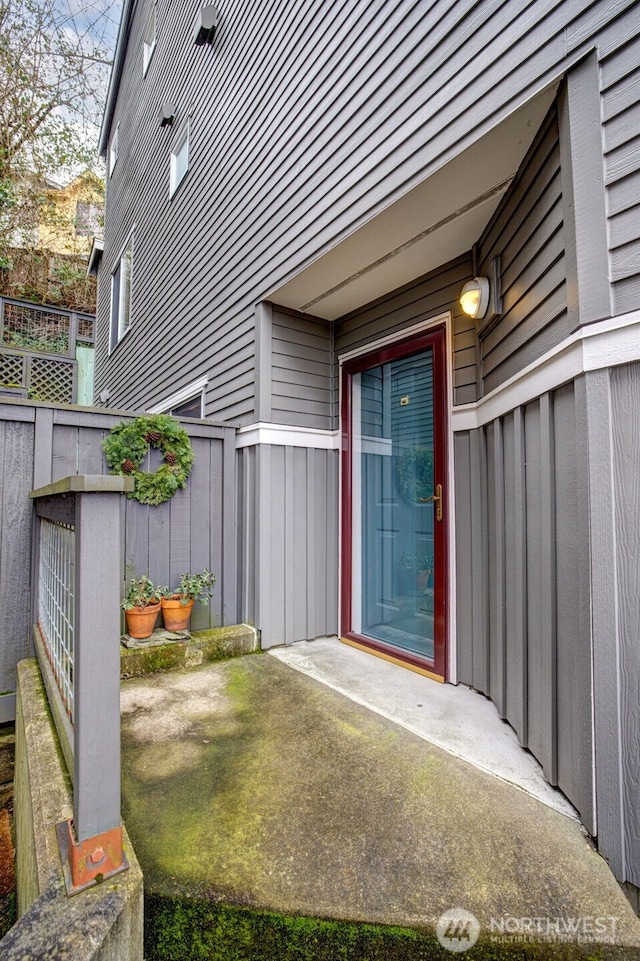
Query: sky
95,23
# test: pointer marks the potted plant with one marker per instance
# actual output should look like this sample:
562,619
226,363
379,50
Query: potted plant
421,565
178,604
424,570
141,606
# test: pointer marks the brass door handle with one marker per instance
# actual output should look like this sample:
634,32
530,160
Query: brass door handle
437,499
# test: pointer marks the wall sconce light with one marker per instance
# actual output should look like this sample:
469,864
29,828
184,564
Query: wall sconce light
481,298
205,26
167,113
474,297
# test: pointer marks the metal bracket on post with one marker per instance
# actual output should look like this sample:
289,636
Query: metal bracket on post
87,863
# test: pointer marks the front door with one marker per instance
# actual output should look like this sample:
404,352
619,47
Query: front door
394,518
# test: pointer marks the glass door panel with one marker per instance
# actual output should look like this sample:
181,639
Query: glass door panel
395,544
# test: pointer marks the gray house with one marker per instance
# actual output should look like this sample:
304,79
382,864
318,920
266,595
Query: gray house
297,195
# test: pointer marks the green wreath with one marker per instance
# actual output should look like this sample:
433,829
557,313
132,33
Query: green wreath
127,445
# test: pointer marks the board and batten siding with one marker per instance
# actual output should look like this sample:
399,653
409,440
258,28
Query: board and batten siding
289,542
625,458
17,431
305,122
522,595
426,298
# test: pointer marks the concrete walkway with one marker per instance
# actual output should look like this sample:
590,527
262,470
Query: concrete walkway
455,718
251,783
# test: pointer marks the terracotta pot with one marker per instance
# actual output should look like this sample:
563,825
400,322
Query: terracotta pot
175,613
141,620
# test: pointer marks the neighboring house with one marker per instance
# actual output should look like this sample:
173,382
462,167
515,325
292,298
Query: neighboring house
294,203
72,215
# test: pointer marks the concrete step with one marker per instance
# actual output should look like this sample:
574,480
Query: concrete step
276,818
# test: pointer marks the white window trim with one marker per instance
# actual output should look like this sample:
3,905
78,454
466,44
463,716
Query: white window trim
181,396
113,148
182,138
149,39
115,336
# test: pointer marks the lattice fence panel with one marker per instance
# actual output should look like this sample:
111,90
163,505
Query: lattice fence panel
11,370
51,380
85,328
35,328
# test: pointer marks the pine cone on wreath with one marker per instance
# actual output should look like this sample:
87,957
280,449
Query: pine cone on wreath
153,437
128,466
170,458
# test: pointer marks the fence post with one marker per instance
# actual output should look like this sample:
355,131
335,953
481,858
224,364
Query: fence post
91,844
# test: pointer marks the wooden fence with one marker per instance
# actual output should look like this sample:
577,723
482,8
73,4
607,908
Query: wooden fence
43,443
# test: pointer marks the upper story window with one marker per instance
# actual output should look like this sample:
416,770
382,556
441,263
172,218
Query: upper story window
89,220
179,159
113,149
121,294
149,40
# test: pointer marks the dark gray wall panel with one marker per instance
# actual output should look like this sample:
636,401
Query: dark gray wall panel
247,513
526,232
295,577
301,370
625,396
575,746
522,544
464,556
535,654
16,473
620,71
515,592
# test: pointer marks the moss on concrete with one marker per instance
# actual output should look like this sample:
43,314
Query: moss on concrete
258,798
203,647
188,929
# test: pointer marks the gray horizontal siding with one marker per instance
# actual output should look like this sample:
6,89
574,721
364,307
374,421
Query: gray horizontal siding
620,72
289,542
522,543
347,107
301,370
526,232
426,298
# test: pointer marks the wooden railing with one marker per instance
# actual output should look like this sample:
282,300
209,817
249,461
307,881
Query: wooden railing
77,626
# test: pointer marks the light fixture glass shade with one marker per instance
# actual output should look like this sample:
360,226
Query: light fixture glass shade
474,297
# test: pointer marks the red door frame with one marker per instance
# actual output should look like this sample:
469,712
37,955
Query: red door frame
435,338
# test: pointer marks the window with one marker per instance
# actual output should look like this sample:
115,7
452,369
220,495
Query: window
191,408
121,294
186,402
149,40
113,150
179,160
89,220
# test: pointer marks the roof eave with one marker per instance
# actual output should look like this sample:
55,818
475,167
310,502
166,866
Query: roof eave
116,74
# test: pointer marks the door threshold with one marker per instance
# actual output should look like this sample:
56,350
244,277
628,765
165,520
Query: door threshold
393,660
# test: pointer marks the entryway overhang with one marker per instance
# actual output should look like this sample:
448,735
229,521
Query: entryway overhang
434,223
